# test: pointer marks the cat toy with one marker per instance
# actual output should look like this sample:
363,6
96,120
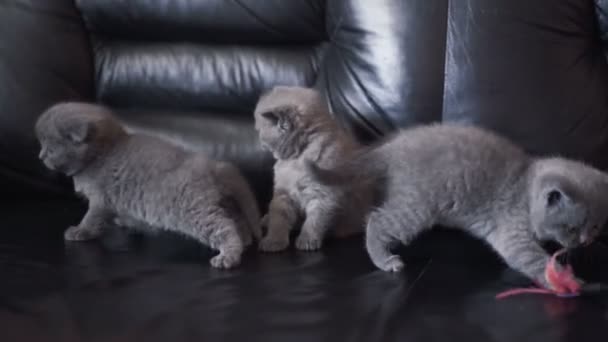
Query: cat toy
563,283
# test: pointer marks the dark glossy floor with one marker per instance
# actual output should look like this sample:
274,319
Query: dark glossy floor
160,288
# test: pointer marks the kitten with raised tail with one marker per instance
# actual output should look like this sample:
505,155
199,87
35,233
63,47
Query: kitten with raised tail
295,124
144,182
470,178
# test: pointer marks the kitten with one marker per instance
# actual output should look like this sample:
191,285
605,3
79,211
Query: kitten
294,123
475,180
141,181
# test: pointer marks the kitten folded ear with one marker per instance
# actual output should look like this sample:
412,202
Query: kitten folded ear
271,116
79,131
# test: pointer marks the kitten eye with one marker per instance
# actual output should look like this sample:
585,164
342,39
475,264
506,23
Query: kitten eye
553,197
284,125
572,230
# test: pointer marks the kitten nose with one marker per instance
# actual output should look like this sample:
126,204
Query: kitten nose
584,239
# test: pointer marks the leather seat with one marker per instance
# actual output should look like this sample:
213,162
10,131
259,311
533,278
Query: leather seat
192,70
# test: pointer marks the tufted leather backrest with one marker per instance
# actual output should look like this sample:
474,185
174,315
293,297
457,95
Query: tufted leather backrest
368,58
534,71
202,55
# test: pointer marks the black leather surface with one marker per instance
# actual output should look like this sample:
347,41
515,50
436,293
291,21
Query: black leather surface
197,77
208,21
202,55
534,71
44,58
385,65
601,8
161,288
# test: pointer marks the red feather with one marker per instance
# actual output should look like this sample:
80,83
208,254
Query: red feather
563,283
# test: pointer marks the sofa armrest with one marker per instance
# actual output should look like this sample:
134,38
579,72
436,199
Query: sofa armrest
45,58
601,12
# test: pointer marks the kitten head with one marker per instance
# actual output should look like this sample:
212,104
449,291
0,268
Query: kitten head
72,134
569,202
286,118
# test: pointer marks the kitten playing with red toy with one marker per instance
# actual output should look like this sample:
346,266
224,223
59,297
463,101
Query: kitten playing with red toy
562,280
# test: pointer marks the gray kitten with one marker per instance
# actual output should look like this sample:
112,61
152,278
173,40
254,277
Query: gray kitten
475,180
142,181
294,123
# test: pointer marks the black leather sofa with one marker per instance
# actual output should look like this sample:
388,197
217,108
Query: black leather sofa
191,71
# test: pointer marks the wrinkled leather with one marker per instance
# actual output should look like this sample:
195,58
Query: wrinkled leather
44,58
197,77
601,8
161,288
385,65
208,21
203,55
534,71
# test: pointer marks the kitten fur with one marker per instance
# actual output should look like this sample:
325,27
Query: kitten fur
470,178
294,123
145,182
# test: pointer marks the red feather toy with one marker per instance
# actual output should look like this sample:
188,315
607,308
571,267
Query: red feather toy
563,283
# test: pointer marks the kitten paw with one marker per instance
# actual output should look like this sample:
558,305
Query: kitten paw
308,243
76,233
393,264
273,245
225,260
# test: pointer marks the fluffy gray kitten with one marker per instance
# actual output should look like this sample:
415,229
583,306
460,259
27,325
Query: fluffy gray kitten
294,123
144,182
475,180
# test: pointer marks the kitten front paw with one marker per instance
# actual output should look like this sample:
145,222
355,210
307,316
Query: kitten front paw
77,233
393,264
225,260
269,244
306,242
